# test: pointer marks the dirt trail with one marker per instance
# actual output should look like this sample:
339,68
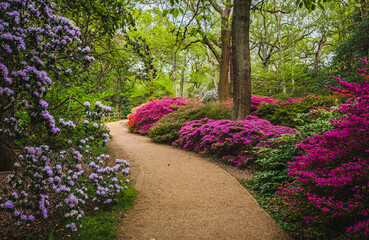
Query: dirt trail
183,196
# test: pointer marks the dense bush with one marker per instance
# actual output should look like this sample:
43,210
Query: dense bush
330,194
142,118
285,113
167,128
70,170
257,101
231,141
76,177
272,159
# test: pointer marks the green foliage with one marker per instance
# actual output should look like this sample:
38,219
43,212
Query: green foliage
285,114
356,46
102,224
167,129
273,83
271,164
272,160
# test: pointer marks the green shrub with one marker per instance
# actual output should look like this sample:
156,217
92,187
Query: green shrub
271,162
167,129
285,114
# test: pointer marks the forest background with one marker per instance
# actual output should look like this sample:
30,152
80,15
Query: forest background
146,50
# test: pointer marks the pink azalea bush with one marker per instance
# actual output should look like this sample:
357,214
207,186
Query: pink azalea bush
256,101
149,113
229,140
330,195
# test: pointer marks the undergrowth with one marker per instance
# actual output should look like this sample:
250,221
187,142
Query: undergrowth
101,224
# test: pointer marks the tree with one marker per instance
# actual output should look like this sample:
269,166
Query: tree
203,13
241,59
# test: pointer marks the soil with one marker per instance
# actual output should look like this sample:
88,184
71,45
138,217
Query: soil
184,196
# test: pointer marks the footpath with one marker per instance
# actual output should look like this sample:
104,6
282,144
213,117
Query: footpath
184,196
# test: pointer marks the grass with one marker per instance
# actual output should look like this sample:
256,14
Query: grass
101,224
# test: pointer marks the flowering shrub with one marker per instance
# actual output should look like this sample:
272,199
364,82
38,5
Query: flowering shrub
166,130
256,101
330,194
209,96
32,38
143,118
74,176
285,113
231,141
271,158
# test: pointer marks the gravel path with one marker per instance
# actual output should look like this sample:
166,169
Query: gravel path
184,196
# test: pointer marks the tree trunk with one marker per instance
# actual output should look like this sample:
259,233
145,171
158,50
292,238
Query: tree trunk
241,59
183,76
212,69
174,74
7,157
318,52
224,61
279,34
231,77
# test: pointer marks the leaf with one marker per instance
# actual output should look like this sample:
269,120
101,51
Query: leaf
165,13
175,13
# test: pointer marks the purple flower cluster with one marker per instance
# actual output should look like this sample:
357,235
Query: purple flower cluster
332,174
32,38
43,172
30,29
229,140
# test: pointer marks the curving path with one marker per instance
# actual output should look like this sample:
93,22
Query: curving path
183,196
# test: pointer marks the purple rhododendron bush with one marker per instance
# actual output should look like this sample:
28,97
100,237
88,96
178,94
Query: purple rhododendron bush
330,195
47,180
231,141
144,117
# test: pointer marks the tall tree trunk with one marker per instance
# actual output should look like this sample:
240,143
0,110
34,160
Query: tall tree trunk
241,59
293,53
174,74
183,76
6,143
278,18
265,60
212,69
224,61
318,52
231,76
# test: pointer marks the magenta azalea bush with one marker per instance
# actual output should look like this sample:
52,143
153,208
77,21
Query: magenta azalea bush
330,196
256,101
149,113
229,140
